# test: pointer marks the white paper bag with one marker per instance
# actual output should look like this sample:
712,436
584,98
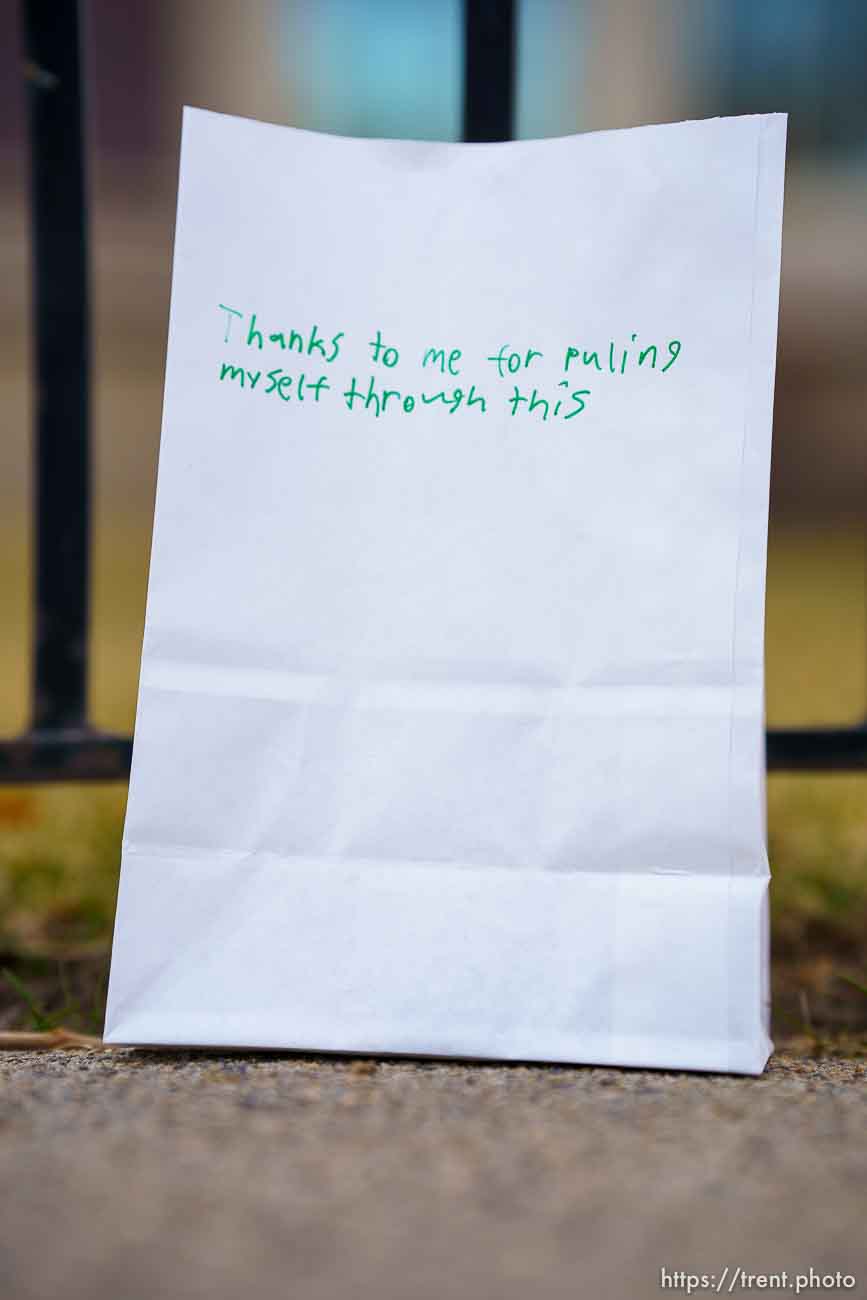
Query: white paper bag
450,726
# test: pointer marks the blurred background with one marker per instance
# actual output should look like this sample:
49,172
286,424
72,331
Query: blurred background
395,68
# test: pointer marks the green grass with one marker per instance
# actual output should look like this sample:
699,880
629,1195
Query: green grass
59,853
60,845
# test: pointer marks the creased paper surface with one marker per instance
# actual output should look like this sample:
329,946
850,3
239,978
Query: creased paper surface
450,728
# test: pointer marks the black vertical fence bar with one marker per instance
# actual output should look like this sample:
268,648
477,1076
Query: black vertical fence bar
489,69
60,745
61,360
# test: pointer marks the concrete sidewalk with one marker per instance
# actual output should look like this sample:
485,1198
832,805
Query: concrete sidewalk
135,1175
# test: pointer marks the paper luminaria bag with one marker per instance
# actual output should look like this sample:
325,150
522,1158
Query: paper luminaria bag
450,726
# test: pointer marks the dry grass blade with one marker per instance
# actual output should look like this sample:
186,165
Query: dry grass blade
46,1040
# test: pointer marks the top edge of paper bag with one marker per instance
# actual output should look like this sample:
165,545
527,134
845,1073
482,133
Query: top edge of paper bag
190,110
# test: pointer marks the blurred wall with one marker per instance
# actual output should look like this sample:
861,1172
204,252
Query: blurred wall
394,67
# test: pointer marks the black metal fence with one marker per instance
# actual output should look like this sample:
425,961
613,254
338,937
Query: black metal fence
60,745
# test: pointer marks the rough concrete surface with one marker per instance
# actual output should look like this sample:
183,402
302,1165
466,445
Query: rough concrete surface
133,1174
